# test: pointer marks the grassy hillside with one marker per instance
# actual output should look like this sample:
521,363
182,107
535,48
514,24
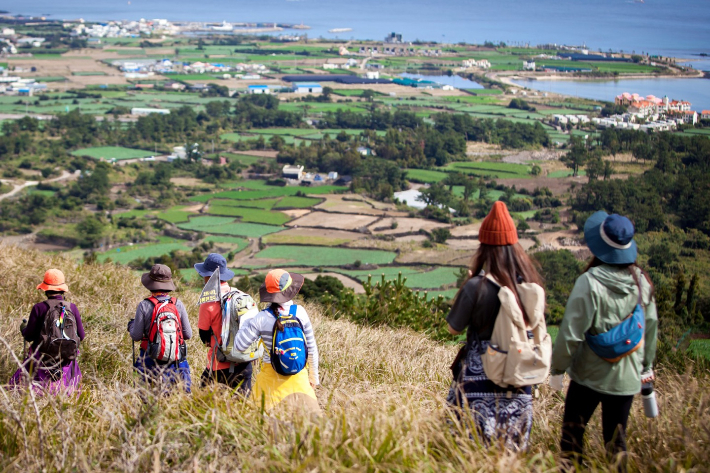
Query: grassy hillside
383,406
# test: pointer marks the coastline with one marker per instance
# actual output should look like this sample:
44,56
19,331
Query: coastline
508,78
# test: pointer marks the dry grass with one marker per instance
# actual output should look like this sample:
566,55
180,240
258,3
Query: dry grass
382,395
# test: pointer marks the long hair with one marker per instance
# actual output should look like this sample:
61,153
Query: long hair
506,264
631,267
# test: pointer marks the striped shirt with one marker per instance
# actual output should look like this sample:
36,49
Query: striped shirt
262,325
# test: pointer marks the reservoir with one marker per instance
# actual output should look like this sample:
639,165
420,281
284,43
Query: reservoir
695,91
454,80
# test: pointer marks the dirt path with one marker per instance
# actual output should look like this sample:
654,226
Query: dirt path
241,258
18,187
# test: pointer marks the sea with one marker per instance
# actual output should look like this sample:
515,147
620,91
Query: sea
678,28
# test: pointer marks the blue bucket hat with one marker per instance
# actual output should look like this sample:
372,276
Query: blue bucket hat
611,238
212,262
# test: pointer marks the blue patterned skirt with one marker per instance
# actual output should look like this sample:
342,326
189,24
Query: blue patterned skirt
499,413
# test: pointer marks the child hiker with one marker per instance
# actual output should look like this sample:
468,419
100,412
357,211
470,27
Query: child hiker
234,375
162,326
54,331
611,290
290,345
499,412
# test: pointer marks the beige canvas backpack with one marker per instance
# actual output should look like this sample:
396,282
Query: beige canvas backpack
513,359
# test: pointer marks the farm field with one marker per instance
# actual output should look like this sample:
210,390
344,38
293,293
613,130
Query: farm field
126,254
238,244
228,226
399,225
312,236
268,192
250,214
322,256
417,277
113,152
333,220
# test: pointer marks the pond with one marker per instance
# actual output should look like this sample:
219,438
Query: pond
455,81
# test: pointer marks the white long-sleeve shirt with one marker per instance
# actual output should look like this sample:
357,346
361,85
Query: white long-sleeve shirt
262,325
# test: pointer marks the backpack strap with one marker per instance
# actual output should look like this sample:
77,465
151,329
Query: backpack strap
292,310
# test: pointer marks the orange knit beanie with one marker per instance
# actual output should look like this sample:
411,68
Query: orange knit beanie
498,228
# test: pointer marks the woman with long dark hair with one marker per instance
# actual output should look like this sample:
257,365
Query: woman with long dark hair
499,412
612,290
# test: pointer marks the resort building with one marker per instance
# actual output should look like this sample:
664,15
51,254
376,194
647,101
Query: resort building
705,115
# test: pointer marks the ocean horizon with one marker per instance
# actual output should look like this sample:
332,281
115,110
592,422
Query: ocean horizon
660,27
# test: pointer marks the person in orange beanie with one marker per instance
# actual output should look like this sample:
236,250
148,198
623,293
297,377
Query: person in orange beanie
500,413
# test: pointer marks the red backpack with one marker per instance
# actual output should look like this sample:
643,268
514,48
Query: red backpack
165,340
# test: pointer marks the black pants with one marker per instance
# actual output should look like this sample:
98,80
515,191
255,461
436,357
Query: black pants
239,377
580,404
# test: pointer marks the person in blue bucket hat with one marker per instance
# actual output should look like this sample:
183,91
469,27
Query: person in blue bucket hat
211,263
611,290
209,323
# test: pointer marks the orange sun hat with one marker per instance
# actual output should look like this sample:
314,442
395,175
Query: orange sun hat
280,286
498,228
53,281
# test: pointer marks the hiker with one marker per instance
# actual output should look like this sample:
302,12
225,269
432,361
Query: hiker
219,367
500,267
54,330
290,344
162,326
613,288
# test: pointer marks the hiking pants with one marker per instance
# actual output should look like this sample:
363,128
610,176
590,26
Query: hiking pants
239,377
580,404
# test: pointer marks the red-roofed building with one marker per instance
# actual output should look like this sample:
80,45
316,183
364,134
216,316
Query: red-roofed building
705,114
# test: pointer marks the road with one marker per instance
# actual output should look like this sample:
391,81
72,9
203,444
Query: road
18,187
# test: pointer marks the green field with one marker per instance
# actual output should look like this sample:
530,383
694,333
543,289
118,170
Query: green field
126,254
497,170
700,347
418,278
174,215
240,243
323,256
249,214
270,192
296,202
112,152
426,176
228,226
265,204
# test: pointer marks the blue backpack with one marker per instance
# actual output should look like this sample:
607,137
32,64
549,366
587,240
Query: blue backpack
621,340
289,352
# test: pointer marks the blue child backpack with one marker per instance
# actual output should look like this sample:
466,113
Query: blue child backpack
289,352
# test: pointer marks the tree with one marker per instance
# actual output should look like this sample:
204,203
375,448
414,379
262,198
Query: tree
440,235
536,170
576,157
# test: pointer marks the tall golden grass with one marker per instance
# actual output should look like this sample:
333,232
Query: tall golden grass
382,396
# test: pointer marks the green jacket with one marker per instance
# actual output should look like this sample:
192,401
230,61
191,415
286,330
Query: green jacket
602,297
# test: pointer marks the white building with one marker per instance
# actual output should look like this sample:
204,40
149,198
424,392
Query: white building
259,89
306,88
529,65
148,111
292,172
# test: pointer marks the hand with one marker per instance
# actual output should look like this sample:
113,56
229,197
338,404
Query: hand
557,382
647,377
313,385
130,324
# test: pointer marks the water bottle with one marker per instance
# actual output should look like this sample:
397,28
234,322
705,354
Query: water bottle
650,408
